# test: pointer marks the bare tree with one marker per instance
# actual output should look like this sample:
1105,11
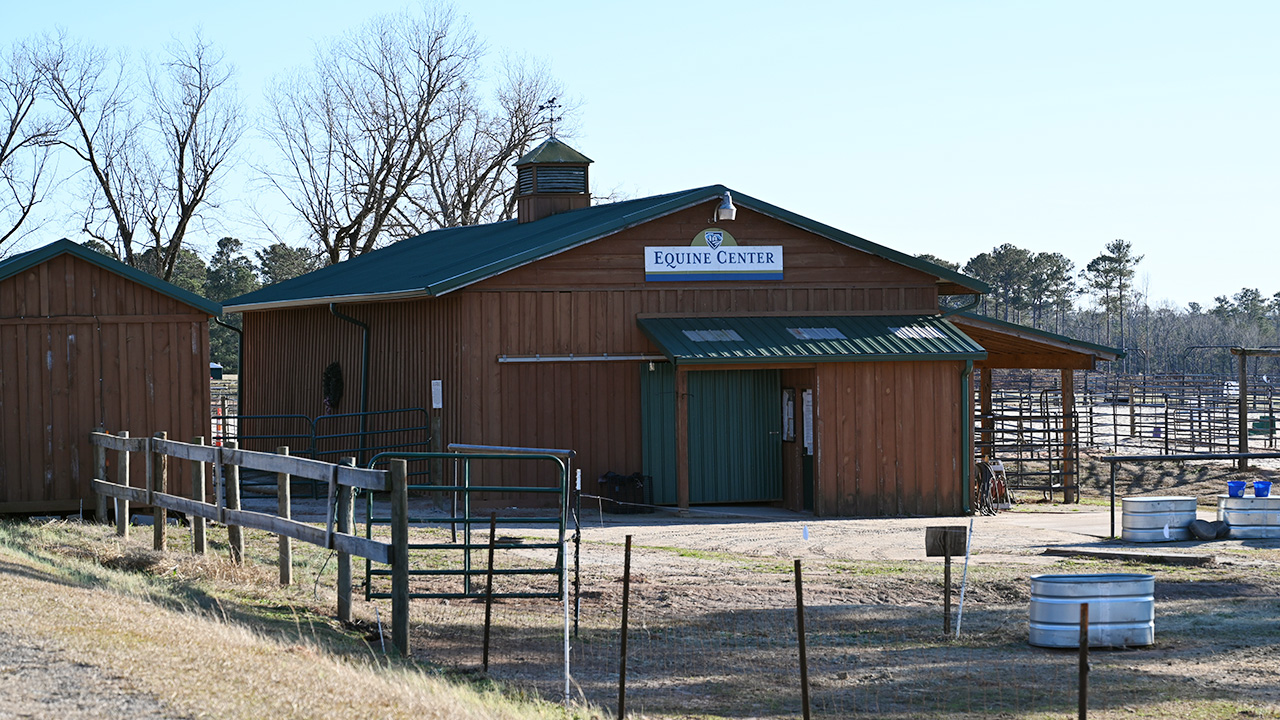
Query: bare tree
26,140
150,171
388,134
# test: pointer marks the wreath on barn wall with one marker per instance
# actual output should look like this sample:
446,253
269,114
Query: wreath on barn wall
332,387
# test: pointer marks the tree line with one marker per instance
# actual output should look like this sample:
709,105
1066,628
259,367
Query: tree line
395,128
1101,303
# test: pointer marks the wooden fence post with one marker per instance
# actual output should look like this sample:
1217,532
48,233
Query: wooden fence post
199,543
159,473
283,506
400,556
800,635
344,523
100,472
122,505
235,533
488,588
626,606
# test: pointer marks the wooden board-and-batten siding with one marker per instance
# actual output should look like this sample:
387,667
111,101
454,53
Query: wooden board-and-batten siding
583,301
82,348
890,437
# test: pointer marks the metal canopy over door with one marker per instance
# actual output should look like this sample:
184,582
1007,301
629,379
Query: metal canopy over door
735,436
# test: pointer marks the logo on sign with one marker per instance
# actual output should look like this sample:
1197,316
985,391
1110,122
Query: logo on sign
714,238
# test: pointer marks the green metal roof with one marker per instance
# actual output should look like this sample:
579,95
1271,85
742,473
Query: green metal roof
24,261
442,261
552,150
823,338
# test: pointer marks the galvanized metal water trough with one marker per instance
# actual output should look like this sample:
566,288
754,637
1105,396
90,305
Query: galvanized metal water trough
1122,610
1157,519
1250,517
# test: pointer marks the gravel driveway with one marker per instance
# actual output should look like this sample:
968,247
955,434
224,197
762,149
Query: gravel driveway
38,681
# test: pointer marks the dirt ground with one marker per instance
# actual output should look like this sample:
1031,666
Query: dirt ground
713,594
713,619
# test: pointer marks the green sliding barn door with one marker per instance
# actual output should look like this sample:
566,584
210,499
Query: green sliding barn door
735,443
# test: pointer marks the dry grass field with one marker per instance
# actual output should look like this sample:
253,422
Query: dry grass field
712,623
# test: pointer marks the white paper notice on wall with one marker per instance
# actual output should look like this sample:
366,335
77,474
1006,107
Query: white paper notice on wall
437,394
806,405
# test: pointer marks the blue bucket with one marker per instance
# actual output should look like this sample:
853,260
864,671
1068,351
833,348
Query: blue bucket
1261,488
1235,488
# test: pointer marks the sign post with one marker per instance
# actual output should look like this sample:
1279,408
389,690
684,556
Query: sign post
944,542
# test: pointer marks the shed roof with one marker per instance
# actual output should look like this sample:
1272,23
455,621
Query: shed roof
24,261
442,261
808,338
1010,345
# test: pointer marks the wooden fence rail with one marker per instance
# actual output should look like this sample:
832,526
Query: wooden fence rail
226,462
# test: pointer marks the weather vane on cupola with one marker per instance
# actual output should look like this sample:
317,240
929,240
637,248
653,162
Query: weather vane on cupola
550,107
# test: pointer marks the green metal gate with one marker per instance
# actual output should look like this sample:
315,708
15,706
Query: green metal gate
735,442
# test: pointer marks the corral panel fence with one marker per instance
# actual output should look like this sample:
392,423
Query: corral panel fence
1176,413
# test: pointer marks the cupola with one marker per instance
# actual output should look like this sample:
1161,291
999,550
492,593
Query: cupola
551,179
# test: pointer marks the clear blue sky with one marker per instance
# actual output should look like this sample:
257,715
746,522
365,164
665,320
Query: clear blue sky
939,127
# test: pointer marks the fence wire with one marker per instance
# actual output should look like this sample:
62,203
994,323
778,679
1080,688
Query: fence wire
695,649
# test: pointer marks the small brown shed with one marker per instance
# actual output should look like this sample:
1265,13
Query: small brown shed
88,342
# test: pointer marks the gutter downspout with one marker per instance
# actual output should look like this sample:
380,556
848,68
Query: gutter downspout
239,360
966,442
364,376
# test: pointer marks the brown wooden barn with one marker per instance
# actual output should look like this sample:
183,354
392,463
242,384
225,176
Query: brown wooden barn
733,350
87,342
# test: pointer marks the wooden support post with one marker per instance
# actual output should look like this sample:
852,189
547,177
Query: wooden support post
284,508
199,543
122,477
986,437
682,438
235,533
159,483
100,472
344,523
400,556
1070,486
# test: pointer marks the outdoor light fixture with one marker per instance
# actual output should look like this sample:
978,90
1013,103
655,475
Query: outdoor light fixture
726,211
